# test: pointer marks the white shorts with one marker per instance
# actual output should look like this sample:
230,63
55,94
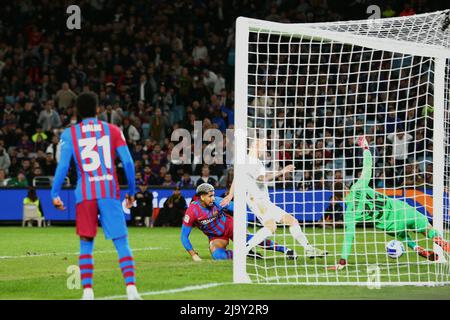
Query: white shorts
265,210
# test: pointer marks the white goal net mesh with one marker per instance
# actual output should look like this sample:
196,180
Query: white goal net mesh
311,93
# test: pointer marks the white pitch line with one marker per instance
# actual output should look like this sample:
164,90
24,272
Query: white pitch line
177,290
74,253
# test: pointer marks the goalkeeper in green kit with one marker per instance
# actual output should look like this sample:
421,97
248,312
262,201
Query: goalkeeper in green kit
396,217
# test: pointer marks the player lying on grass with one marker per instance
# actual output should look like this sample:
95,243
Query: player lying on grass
396,217
266,211
209,216
93,144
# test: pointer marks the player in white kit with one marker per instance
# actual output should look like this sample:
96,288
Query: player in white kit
258,200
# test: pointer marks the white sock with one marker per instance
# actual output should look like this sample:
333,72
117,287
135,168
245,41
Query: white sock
259,237
298,235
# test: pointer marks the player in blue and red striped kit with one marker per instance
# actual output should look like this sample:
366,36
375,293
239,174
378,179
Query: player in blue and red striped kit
93,144
210,217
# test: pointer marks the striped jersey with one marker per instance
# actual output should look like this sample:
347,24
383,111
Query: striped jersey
93,145
211,221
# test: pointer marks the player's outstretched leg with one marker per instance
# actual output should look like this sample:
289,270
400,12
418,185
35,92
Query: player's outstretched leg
272,245
268,229
86,265
126,263
297,233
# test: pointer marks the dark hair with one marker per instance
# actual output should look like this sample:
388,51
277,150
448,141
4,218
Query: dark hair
32,194
87,105
339,190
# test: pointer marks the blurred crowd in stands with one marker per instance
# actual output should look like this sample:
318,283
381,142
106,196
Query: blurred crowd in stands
161,65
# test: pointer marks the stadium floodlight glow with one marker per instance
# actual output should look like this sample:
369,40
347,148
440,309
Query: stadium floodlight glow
311,90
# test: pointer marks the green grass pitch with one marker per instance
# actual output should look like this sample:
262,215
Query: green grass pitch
34,263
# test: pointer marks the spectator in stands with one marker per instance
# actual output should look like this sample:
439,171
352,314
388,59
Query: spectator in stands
428,177
186,181
49,118
306,183
27,119
65,98
39,145
158,126
49,165
26,167
53,148
26,144
168,182
144,90
36,172
130,132
400,141
163,100
205,178
173,211
5,160
2,178
39,133
20,181
144,205
110,115
200,53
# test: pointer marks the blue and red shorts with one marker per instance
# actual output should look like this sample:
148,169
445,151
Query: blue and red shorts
111,216
227,233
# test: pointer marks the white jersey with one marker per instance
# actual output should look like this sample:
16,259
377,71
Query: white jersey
258,198
256,189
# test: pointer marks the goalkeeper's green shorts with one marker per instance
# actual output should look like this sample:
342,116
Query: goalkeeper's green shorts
406,218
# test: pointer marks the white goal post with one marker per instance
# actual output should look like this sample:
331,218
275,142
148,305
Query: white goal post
311,90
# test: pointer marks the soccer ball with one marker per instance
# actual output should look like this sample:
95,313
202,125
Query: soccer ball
395,249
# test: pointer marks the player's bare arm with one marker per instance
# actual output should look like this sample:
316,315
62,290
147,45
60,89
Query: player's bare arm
227,199
271,176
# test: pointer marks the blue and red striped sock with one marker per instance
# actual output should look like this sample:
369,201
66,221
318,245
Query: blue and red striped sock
86,263
126,260
271,245
229,254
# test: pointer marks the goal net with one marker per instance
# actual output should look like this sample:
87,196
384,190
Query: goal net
305,94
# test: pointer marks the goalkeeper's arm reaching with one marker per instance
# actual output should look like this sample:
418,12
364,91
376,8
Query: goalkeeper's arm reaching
355,203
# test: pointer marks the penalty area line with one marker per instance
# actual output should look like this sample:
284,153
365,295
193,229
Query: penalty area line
176,290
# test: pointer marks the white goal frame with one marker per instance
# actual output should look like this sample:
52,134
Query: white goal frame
243,28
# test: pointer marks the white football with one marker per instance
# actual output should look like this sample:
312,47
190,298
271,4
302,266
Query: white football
395,249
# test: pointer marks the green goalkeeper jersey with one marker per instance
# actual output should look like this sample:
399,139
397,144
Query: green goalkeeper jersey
364,204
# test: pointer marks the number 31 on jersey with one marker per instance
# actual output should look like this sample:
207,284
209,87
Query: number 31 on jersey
88,151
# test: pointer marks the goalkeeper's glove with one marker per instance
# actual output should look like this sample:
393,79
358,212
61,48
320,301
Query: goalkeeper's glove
427,254
362,142
341,265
